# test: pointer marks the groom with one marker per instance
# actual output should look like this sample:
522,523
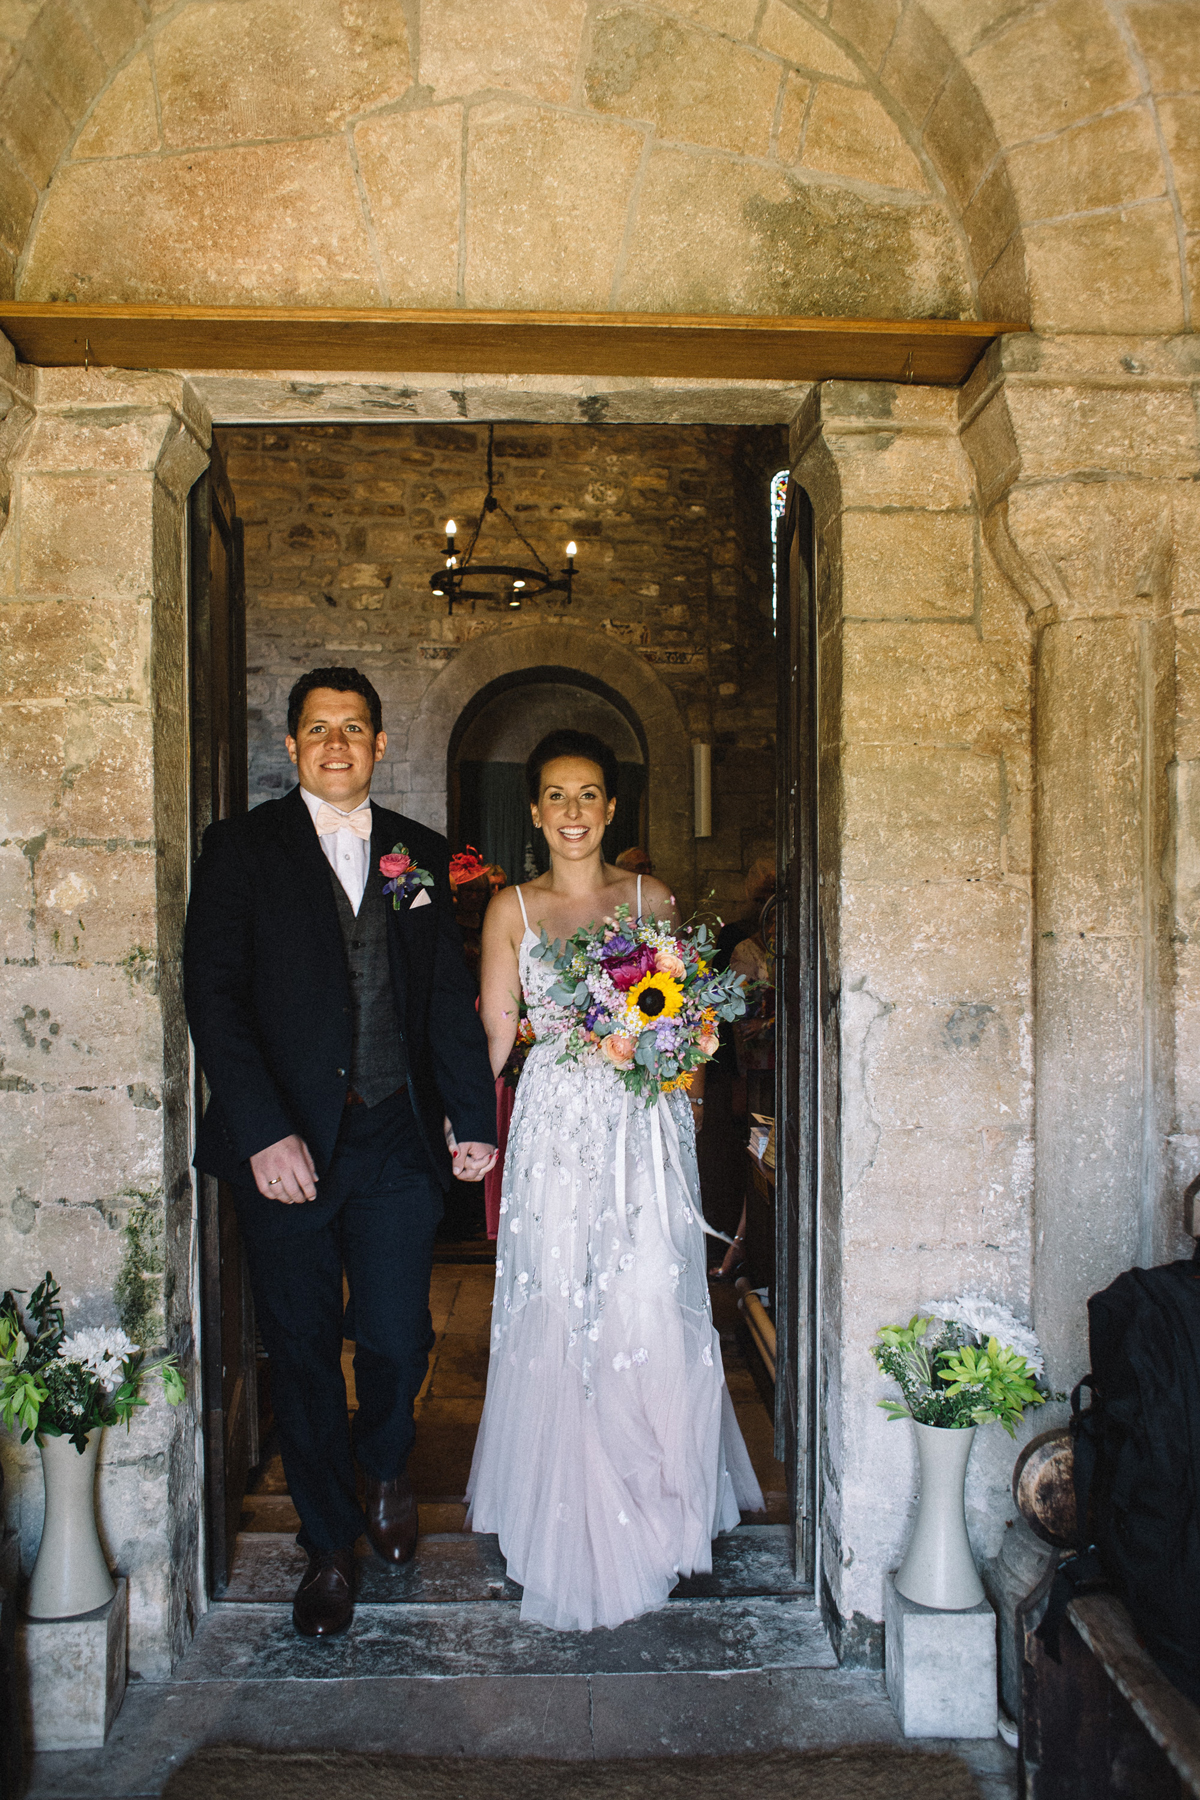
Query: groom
335,1021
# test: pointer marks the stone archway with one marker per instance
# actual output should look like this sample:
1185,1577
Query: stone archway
596,657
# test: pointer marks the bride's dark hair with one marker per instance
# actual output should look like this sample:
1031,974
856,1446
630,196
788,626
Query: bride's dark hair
571,743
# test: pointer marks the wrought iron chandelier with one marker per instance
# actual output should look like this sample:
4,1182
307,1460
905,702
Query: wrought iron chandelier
450,582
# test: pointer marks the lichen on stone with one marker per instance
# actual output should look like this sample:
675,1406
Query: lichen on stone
137,1291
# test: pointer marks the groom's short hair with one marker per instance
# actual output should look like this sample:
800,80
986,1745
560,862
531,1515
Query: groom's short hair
343,681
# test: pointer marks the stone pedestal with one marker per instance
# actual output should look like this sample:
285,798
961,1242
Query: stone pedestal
74,1671
941,1668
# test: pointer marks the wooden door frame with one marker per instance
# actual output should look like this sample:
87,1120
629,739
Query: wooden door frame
797,1059
210,502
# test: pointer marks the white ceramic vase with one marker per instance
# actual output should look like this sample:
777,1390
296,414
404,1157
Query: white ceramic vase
70,1576
938,1569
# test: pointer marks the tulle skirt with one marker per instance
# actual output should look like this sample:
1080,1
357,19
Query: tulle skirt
608,1456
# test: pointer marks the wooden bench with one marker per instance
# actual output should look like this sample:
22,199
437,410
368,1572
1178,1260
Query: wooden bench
1104,1723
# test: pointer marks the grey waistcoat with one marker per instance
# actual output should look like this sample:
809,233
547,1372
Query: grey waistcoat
378,1060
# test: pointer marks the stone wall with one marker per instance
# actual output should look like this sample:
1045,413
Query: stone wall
94,1072
1010,1067
344,524
925,858
858,157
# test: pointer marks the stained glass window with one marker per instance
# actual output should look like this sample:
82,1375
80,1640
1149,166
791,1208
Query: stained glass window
778,504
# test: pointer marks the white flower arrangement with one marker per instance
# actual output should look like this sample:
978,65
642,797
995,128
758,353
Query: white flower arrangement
983,1319
101,1350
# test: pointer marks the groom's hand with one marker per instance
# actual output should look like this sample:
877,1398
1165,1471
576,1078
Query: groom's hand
285,1171
470,1162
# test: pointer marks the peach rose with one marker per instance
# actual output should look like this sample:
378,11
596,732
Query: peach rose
619,1047
394,866
708,1044
667,963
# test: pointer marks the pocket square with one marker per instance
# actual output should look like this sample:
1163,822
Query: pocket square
422,899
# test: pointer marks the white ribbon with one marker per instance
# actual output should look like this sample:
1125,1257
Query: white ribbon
660,1111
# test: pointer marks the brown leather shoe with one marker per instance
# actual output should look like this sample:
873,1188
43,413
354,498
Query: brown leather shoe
324,1603
391,1511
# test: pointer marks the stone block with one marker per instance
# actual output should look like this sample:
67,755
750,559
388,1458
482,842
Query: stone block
115,25
108,442
717,236
940,1668
803,42
932,684
85,534
64,58
909,565
32,129
914,814
733,18
282,221
553,181
960,138
1149,432
952,942
529,47
1064,62
53,650
1180,117
18,200
1112,271
850,134
1167,37
411,164
918,61
1102,163
75,1675
16,905
694,88
31,755
222,86
95,905
898,468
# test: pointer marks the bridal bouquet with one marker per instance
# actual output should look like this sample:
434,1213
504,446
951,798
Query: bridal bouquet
59,1386
980,1364
642,997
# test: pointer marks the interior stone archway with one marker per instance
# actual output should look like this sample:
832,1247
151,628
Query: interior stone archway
595,656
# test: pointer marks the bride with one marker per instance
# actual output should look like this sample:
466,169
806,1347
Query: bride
608,1455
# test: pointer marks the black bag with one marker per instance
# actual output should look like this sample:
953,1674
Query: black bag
1137,1457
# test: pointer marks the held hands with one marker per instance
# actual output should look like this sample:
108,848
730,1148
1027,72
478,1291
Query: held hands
285,1171
471,1162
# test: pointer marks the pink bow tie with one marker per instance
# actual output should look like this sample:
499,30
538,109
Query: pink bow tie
330,819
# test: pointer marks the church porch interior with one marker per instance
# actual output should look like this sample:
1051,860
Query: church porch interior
341,525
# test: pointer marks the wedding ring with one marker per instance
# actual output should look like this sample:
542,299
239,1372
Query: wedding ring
275,1182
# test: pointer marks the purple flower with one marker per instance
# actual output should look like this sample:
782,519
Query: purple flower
591,1016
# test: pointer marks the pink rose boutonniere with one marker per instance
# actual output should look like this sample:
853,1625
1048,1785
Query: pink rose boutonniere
403,875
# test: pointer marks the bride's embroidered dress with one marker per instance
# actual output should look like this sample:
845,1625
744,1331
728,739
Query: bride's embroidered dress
608,1456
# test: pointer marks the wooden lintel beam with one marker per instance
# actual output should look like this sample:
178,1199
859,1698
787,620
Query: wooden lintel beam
937,352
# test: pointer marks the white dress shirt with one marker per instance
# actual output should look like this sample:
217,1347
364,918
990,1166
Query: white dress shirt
348,855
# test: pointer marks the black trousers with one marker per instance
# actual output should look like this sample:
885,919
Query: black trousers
375,1215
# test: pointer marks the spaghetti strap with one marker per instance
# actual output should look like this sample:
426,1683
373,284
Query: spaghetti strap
524,914
639,899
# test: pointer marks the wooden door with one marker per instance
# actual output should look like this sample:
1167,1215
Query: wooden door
796,1097
219,791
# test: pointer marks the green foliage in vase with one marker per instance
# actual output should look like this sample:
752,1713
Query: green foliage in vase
52,1385
948,1381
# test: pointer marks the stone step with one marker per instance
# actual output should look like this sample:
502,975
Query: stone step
255,1641
456,1567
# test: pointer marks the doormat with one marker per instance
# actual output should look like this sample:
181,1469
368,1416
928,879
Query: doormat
881,1772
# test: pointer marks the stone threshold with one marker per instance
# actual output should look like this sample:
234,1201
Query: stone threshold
463,1567
256,1641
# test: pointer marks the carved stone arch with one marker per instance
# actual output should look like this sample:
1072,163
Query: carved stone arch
598,658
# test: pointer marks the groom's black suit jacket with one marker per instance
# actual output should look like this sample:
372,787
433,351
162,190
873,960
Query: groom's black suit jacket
268,995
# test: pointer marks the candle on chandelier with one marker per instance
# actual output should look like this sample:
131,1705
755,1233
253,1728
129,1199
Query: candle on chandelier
451,533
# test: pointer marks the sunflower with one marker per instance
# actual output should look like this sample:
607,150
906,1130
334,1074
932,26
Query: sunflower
655,997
